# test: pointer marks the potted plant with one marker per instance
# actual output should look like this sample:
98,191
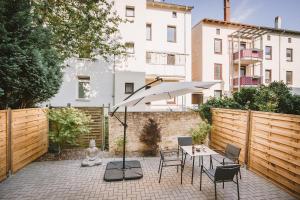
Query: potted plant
200,133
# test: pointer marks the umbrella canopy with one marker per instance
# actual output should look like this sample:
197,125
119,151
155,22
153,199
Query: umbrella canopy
165,90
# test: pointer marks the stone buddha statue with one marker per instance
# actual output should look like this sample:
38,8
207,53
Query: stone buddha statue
92,155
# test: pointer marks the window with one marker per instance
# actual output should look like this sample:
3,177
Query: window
218,72
289,55
268,37
129,47
289,40
268,76
148,57
197,99
243,45
148,31
129,88
268,52
289,77
83,87
171,34
170,59
174,14
129,11
243,71
218,93
218,46
218,31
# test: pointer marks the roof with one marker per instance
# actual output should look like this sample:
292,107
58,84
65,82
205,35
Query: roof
171,6
241,25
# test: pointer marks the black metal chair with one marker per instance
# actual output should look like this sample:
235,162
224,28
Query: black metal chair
184,141
172,161
222,174
230,156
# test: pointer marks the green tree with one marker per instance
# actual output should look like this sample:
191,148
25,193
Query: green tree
66,125
246,98
30,69
81,27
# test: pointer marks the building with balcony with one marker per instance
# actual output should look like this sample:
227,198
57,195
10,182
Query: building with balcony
240,55
158,40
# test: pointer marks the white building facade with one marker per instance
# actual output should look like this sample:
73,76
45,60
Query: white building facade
158,41
266,55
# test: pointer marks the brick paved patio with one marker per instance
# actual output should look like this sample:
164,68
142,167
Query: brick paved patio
67,180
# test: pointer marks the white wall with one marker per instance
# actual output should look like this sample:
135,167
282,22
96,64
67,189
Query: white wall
101,78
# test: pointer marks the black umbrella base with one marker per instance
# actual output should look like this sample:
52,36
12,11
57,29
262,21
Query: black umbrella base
114,171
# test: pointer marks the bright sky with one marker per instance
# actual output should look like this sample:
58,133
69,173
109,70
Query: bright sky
256,12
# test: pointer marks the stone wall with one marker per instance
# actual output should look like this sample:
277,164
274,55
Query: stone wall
173,124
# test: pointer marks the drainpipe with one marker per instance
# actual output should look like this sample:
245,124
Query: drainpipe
239,68
184,97
114,81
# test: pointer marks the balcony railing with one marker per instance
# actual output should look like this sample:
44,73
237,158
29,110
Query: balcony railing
247,81
248,55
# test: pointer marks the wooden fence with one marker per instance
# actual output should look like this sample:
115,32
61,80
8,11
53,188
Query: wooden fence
3,144
269,142
23,138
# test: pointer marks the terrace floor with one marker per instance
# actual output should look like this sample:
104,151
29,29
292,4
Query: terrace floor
67,180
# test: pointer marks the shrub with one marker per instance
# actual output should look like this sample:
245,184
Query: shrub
66,125
199,134
119,143
246,98
150,136
225,102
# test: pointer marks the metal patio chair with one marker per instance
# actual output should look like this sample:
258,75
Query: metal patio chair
221,174
228,157
166,161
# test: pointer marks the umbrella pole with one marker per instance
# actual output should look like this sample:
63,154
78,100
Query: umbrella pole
124,137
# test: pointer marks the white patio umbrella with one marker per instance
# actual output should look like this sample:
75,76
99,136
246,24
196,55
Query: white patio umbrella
120,170
165,90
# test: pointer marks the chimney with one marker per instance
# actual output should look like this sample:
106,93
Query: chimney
227,10
278,22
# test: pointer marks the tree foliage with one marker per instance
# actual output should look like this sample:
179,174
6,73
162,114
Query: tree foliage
81,27
276,97
30,69
66,125
151,136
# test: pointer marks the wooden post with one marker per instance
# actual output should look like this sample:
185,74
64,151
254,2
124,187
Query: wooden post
103,128
248,138
9,142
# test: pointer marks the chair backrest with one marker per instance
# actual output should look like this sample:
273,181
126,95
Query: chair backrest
185,141
226,172
161,154
232,152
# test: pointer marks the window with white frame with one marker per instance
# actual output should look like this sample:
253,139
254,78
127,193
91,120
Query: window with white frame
289,55
84,87
218,46
218,31
129,47
148,31
218,93
268,37
171,34
268,52
268,76
289,77
289,40
129,11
